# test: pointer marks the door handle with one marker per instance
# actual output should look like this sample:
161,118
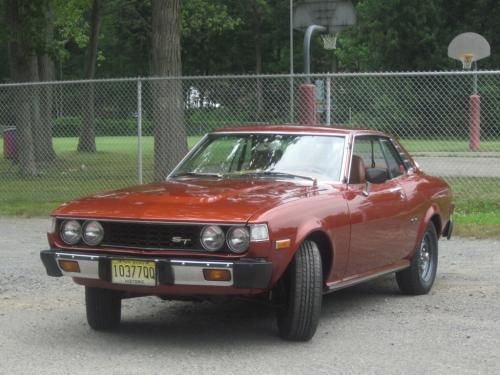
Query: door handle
398,189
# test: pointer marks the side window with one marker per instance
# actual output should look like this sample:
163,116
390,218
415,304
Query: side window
396,165
370,150
408,164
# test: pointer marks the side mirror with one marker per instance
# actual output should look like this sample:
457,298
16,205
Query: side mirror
376,175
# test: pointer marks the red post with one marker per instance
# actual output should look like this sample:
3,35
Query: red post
475,123
10,144
307,104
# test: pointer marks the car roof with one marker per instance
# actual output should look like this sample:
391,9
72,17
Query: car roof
335,129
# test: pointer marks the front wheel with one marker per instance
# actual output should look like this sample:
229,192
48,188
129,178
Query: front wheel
103,308
419,277
299,295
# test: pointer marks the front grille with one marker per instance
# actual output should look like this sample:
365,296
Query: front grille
152,236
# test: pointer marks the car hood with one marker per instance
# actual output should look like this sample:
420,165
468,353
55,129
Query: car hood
205,200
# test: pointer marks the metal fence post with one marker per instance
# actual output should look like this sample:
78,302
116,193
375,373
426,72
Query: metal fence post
139,132
291,100
328,101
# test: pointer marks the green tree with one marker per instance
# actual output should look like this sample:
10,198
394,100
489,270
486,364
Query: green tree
28,37
397,35
207,27
394,35
126,39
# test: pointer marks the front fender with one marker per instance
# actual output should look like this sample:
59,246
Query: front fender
283,258
431,211
327,214
337,235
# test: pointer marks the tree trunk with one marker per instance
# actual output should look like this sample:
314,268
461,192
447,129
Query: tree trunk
170,135
23,67
44,150
86,142
258,59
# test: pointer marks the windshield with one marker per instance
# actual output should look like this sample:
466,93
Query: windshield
279,155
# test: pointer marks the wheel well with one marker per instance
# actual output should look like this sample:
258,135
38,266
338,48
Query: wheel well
325,250
436,220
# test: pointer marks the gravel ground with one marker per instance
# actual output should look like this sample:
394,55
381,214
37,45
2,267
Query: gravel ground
369,329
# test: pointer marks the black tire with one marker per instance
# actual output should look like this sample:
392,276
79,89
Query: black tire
417,279
104,308
299,295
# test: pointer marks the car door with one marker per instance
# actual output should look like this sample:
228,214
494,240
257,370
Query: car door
410,181
377,211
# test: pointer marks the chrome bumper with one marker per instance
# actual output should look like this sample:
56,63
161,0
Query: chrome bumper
448,229
248,273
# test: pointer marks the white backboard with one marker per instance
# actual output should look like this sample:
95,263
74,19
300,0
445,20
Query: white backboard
469,43
335,15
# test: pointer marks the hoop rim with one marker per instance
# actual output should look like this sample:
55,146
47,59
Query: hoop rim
330,40
467,60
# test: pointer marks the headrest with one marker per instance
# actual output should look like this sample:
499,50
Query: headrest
357,170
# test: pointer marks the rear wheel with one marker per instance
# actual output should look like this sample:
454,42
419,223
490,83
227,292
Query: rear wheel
419,277
299,295
103,308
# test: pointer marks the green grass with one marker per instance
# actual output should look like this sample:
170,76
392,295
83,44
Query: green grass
477,211
74,174
115,165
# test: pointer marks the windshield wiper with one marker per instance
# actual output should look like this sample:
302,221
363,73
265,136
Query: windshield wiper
198,174
280,174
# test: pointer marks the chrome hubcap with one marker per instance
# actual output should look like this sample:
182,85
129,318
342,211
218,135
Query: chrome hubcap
424,259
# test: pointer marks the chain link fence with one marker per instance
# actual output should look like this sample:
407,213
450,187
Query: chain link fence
62,140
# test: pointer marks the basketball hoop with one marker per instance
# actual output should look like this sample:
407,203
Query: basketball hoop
467,60
330,40
469,48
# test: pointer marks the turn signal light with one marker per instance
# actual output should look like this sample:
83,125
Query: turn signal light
283,244
69,265
217,274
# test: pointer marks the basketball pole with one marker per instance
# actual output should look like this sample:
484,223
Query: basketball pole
475,78
469,48
307,48
475,115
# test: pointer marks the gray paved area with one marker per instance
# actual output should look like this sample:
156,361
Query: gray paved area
460,166
369,329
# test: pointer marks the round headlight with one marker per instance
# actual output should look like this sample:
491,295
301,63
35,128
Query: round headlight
238,239
212,238
71,232
93,233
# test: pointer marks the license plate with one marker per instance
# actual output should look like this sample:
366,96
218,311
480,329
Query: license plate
133,272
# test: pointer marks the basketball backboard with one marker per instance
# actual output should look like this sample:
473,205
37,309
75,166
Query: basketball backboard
468,48
335,15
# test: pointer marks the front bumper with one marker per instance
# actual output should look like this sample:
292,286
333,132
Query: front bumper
245,273
448,229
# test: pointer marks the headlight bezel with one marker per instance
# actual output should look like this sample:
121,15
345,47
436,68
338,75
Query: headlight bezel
84,232
62,229
52,225
229,238
259,232
222,238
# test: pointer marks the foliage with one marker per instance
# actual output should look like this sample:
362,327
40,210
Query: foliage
71,25
222,36
397,35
